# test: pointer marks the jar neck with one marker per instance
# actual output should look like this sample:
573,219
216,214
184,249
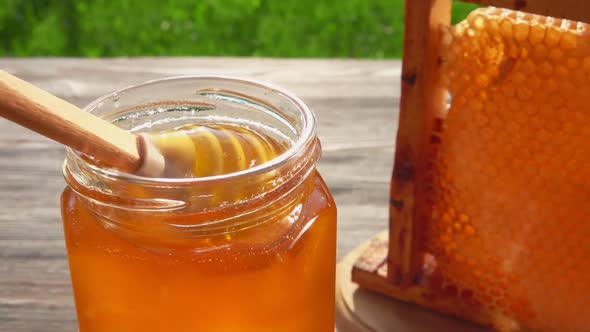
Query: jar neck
219,203
196,194
227,196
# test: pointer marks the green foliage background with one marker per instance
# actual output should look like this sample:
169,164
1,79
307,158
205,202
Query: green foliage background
272,28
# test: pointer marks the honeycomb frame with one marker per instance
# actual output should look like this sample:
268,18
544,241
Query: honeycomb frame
420,125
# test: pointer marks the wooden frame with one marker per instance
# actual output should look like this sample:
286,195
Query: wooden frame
422,100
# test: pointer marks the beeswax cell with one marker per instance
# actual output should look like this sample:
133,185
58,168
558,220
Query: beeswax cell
509,221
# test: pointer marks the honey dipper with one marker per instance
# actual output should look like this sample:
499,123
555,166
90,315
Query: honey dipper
52,117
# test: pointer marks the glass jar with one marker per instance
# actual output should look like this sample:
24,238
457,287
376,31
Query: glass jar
252,250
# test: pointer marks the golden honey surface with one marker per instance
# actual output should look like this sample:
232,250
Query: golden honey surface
215,149
508,236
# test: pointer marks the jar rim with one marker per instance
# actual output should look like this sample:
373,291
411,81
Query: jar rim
304,140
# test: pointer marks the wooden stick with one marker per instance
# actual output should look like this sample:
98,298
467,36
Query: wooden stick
50,116
577,10
422,101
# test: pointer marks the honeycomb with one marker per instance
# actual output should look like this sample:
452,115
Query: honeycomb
508,236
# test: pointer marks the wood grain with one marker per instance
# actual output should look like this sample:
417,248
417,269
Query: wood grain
356,104
422,101
361,310
52,117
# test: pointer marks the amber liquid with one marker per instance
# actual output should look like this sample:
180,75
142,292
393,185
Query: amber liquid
276,276
214,149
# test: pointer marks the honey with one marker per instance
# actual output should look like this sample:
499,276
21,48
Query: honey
214,149
504,236
242,239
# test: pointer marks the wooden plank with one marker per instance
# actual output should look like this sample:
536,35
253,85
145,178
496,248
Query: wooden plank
356,105
368,263
577,10
422,101
358,309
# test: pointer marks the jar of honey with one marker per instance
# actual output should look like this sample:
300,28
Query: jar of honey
243,239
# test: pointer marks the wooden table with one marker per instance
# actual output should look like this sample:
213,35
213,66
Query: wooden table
356,103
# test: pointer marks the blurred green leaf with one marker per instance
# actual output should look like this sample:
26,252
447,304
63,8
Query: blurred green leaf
273,28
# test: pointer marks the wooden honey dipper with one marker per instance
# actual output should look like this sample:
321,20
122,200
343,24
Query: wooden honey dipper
52,117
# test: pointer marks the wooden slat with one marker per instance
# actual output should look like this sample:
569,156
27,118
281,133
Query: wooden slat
368,272
359,310
422,101
577,10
